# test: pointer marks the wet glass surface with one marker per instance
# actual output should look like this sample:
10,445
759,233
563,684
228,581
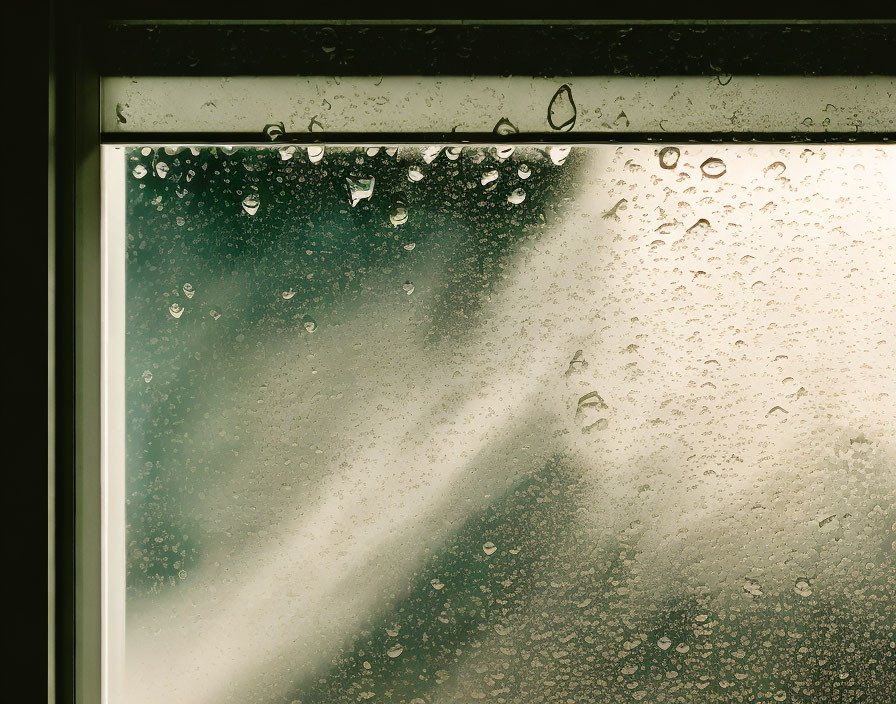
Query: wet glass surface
607,424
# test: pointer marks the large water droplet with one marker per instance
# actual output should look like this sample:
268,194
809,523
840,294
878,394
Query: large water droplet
162,169
430,154
287,152
669,157
713,167
395,651
524,171
372,151
288,294
188,290
453,153
215,314
590,410
558,154
315,154
489,177
504,152
489,548
562,110
309,323
414,173
139,171
664,643
275,130
776,169
408,287
436,583
505,126
359,189
517,196
251,204
176,310
398,213
802,588
147,376
410,246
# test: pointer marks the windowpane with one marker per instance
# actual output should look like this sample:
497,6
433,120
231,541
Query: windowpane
606,424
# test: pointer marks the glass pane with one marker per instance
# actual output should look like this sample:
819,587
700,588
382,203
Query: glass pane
606,424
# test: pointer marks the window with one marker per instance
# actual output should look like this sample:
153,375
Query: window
430,389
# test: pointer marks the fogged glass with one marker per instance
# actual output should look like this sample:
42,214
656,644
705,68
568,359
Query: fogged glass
426,425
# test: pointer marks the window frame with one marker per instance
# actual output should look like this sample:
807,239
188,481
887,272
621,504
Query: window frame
88,48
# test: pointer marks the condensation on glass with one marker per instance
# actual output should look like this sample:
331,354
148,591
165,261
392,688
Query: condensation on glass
422,425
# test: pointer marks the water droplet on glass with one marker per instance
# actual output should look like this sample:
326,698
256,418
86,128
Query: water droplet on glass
752,588
287,152
430,154
558,154
359,189
612,212
274,130
162,169
188,290
489,548
146,151
517,196
228,150
776,169
215,314
436,583
562,110
713,167
502,153
176,310
373,151
524,171
453,153
701,224
288,294
309,323
398,213
414,173
664,643
589,412
315,154
139,171
392,151
802,588
180,221
488,177
577,359
505,126
410,246
408,287
395,651
669,157
251,204
147,376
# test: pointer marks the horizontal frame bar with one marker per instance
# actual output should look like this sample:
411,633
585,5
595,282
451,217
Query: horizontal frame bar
535,48
470,109
242,139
